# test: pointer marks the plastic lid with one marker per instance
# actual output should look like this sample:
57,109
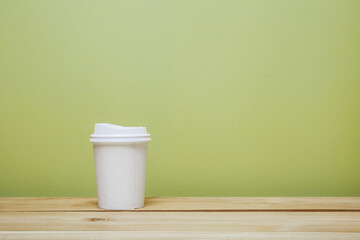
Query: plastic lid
106,132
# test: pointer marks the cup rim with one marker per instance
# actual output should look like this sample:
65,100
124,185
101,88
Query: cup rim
119,136
119,139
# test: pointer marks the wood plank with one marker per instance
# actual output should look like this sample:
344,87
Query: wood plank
153,235
189,204
183,221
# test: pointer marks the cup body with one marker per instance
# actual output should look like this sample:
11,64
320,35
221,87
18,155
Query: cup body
120,169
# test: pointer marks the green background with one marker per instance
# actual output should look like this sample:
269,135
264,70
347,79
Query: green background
242,98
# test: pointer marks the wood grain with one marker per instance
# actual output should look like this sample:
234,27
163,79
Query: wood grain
153,235
187,204
182,221
183,218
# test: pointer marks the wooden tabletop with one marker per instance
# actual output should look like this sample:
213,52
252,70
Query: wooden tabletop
183,218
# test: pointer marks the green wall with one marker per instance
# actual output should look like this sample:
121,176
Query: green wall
242,98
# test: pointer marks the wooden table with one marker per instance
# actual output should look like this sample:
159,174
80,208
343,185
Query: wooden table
182,218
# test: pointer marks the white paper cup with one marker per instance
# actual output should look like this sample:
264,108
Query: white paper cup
120,165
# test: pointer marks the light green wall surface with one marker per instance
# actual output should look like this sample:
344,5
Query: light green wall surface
242,98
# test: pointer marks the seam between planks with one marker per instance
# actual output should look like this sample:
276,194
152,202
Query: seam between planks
204,210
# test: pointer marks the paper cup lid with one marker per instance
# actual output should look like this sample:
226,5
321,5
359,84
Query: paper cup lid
110,132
